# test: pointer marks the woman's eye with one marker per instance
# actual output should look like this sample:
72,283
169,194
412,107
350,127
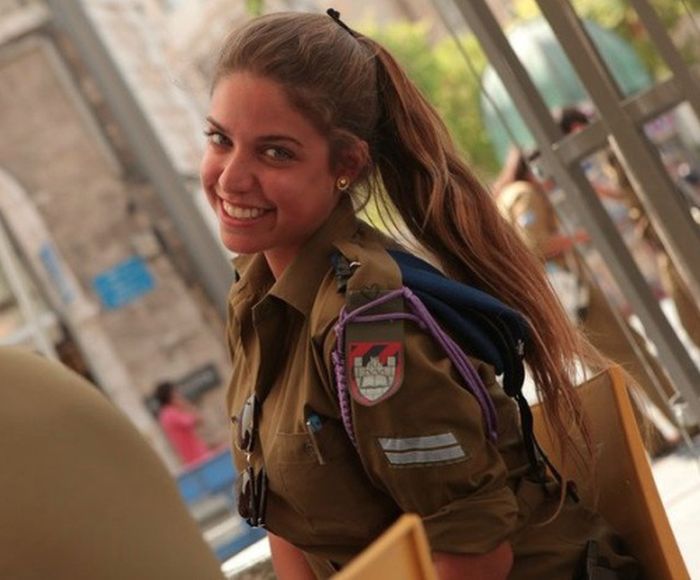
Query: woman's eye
277,153
216,138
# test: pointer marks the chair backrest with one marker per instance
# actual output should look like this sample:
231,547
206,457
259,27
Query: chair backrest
625,490
400,552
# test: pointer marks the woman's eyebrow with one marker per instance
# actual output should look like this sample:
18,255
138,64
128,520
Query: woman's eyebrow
217,125
272,137
280,138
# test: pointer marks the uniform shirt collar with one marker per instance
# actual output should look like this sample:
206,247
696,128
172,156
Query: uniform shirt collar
300,281
254,275
298,284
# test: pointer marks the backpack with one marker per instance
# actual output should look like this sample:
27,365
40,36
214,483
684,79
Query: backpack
495,333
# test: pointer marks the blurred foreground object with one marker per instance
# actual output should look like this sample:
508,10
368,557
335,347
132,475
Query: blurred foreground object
84,496
400,552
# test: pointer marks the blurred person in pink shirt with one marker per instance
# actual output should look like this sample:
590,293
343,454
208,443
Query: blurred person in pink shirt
179,419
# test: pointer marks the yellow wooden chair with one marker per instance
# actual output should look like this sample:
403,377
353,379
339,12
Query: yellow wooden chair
400,552
626,493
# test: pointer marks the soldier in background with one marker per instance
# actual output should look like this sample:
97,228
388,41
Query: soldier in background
525,204
572,120
671,280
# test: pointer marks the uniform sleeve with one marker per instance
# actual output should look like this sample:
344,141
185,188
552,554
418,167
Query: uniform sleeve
426,446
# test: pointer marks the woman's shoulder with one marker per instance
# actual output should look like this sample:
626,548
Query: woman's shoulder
367,255
516,192
360,265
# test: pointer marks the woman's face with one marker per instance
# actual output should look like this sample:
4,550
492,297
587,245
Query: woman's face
266,170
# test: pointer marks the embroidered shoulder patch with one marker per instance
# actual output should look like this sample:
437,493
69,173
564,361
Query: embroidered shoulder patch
375,370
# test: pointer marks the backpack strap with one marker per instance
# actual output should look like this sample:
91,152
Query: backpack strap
418,313
495,333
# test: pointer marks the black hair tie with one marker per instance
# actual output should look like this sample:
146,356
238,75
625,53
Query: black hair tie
335,15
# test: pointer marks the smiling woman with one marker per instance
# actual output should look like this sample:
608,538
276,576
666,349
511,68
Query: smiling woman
348,407
267,170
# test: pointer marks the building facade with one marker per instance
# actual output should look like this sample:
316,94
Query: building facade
93,264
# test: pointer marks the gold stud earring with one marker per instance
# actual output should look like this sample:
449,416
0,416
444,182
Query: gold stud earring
342,183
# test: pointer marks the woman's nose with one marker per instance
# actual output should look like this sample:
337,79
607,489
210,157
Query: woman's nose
237,175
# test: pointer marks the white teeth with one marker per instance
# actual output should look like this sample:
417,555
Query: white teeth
242,213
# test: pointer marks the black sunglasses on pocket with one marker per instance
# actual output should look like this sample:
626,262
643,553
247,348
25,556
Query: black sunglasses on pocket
252,497
252,485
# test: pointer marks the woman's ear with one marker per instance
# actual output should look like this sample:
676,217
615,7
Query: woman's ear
353,160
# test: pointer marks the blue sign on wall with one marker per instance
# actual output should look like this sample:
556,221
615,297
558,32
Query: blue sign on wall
123,283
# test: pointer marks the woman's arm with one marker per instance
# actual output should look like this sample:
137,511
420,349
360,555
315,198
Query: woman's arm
288,561
557,244
494,565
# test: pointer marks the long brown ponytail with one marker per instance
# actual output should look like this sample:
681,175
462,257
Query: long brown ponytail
455,218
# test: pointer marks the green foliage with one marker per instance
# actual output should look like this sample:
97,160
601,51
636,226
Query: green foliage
443,76
255,7
409,44
458,100
619,16
623,20
441,72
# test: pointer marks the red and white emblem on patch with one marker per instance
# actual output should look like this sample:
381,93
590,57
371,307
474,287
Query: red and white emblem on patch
375,370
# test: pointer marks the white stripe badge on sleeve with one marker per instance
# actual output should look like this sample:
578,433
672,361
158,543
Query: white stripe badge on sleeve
426,450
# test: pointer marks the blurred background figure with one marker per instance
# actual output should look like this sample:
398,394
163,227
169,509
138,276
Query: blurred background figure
615,189
524,203
179,420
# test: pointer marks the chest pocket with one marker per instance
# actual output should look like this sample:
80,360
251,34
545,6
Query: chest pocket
334,498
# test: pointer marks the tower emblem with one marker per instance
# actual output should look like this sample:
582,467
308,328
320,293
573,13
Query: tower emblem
375,369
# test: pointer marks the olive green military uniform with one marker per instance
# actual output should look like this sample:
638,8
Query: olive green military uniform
82,494
531,212
422,449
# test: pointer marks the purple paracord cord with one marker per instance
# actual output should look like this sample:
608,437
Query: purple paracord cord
422,316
